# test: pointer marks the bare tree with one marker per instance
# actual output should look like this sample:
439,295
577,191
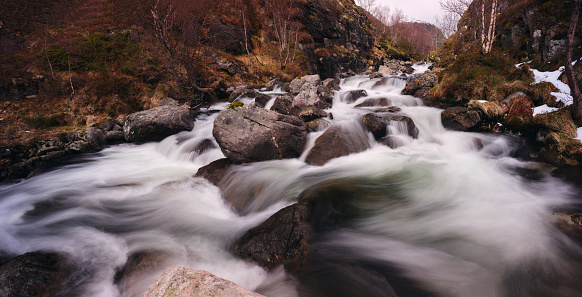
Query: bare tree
382,13
576,108
284,28
368,5
447,22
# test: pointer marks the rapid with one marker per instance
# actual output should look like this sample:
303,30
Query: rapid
448,214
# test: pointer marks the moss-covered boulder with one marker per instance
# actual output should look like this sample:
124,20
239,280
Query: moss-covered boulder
560,148
557,121
489,111
519,114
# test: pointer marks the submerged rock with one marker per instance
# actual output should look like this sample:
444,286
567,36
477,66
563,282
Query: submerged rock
374,102
378,125
337,141
158,123
251,134
459,118
184,281
34,274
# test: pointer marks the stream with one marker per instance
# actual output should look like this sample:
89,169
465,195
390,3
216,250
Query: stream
447,214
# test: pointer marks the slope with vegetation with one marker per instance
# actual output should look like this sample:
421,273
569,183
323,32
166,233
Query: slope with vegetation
491,57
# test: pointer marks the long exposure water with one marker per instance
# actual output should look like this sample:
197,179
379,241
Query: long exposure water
447,214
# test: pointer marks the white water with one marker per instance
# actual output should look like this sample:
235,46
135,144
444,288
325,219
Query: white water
453,217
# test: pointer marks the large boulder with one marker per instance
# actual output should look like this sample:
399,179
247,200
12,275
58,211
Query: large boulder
185,282
284,105
519,113
420,84
158,123
459,118
338,140
309,81
85,140
34,274
251,134
282,239
557,121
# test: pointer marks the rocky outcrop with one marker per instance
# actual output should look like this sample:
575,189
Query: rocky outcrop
338,140
26,161
394,67
420,84
459,118
184,281
341,34
251,134
34,274
158,123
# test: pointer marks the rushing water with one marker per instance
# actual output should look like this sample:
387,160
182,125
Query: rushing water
447,214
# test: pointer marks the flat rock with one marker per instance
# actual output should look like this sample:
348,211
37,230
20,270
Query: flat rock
158,123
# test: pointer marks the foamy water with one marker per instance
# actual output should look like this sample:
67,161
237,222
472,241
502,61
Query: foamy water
446,214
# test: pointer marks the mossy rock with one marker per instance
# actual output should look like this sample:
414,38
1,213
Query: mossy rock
557,121
560,148
488,110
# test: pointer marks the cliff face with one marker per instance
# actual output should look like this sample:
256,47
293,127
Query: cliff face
535,29
341,36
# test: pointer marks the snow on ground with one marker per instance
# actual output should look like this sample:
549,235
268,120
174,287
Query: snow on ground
552,77
562,95
543,109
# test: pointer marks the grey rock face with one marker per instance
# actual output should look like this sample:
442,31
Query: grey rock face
157,123
251,134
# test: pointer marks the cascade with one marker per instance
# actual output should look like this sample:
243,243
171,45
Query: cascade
443,214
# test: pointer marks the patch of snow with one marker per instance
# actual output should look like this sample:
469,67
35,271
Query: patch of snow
563,94
543,109
579,137
481,101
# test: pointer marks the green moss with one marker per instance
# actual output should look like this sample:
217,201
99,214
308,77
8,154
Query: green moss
236,104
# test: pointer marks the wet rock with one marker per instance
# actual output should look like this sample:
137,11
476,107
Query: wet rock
239,90
250,134
261,99
138,266
281,239
272,84
337,141
459,118
184,281
157,123
317,125
375,124
560,148
375,102
332,84
34,274
378,124
388,109
489,111
352,96
312,113
557,121
216,171
420,85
